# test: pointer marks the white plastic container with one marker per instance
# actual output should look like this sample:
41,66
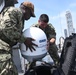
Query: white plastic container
41,41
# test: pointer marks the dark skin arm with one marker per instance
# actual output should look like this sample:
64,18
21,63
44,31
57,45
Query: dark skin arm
29,44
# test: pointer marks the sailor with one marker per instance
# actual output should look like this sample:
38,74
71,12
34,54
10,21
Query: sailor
43,23
11,26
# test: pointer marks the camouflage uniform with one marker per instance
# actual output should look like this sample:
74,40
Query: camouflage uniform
50,33
11,26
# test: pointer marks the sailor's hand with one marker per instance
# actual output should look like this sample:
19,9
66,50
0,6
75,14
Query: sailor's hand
29,44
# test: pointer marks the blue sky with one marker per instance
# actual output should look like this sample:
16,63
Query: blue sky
56,10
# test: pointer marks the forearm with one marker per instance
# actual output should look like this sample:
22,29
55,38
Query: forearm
52,40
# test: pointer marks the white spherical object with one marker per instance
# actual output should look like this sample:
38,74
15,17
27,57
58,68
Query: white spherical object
40,40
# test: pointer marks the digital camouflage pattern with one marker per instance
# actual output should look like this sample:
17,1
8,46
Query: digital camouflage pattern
11,26
50,33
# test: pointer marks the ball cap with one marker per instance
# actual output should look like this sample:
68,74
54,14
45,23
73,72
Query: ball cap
31,6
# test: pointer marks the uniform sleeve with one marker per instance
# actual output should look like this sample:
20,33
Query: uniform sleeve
34,25
12,20
51,32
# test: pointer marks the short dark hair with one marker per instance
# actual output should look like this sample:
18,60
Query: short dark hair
44,18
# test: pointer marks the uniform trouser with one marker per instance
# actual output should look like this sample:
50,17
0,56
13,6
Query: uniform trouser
8,68
53,52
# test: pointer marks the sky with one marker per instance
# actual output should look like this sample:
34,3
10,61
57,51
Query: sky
56,10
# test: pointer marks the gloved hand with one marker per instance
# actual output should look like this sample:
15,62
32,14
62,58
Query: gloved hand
29,44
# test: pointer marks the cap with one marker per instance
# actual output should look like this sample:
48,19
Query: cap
31,6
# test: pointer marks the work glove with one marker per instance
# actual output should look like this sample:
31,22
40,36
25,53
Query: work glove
29,44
